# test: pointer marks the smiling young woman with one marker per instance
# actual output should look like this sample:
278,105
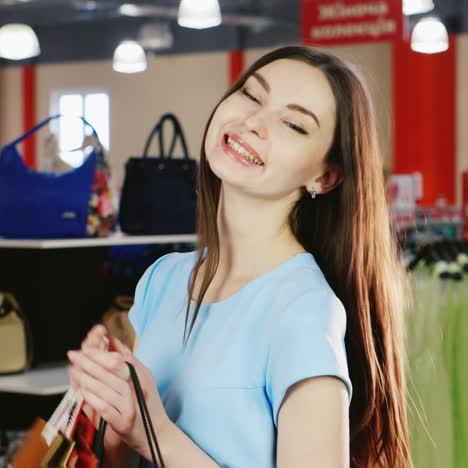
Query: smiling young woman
347,229
290,352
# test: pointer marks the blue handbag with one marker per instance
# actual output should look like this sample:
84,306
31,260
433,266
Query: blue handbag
35,205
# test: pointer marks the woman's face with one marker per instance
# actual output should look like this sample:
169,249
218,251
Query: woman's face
270,137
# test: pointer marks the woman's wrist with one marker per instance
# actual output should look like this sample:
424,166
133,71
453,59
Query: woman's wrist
163,429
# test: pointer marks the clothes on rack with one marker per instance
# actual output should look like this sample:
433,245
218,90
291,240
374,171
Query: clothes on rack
437,341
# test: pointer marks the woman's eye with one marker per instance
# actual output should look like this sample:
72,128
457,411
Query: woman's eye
250,96
296,128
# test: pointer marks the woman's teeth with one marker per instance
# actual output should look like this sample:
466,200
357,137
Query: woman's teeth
243,152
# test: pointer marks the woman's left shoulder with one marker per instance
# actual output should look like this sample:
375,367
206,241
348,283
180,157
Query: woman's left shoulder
306,283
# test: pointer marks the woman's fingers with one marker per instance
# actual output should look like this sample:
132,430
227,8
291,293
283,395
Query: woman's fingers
96,337
107,412
117,411
75,384
89,383
106,367
117,345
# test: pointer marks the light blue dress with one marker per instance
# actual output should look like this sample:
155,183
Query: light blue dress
224,390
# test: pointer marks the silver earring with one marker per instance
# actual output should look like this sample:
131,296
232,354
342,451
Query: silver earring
313,192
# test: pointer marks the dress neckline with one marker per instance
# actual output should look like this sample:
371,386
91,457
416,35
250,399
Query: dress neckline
291,260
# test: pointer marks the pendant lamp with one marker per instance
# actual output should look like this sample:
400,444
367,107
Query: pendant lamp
199,14
129,57
429,36
156,36
18,42
416,7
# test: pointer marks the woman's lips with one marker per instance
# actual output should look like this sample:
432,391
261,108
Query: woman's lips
243,143
236,155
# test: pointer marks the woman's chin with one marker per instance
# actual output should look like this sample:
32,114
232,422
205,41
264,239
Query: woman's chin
227,173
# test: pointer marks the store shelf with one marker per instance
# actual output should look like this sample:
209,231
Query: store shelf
116,239
50,380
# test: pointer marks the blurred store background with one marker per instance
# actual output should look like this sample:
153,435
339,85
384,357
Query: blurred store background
123,65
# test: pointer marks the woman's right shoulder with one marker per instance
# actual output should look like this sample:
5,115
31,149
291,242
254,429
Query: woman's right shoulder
154,284
167,264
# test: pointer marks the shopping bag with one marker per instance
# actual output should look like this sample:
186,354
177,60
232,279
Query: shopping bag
15,336
59,442
39,205
159,194
69,439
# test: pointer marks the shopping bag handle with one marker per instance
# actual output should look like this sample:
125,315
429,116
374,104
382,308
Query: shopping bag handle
44,123
147,423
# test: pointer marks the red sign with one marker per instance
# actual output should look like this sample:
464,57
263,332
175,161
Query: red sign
329,22
465,204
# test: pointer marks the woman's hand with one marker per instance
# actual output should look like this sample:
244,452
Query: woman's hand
103,379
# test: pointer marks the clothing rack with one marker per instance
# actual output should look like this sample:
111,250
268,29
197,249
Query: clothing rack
446,254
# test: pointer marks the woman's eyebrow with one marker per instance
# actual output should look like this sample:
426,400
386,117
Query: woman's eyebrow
305,111
262,81
295,107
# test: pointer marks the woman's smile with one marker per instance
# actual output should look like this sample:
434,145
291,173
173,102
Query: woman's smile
238,151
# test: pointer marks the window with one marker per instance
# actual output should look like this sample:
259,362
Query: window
70,131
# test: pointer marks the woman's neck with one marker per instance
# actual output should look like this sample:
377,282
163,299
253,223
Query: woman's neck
254,234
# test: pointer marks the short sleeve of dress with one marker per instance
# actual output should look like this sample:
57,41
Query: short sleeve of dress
138,314
306,341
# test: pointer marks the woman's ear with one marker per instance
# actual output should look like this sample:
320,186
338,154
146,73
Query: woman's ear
331,178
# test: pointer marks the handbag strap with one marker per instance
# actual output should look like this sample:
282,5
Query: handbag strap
158,130
178,134
44,123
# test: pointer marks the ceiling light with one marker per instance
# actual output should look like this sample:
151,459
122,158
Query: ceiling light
199,14
18,42
129,57
416,7
156,36
429,36
129,9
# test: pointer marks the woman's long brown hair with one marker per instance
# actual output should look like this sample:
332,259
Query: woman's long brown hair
349,233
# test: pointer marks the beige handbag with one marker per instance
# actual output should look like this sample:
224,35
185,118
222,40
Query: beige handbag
15,337
116,320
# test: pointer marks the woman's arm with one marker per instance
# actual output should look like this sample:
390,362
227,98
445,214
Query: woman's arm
177,449
313,425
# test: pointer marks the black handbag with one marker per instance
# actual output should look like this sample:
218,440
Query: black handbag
159,194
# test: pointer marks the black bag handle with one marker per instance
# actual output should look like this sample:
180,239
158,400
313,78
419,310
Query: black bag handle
147,423
178,134
158,130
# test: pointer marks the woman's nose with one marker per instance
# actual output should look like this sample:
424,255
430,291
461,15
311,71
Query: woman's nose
256,123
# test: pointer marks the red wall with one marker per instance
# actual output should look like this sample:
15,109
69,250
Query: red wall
424,117
29,113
